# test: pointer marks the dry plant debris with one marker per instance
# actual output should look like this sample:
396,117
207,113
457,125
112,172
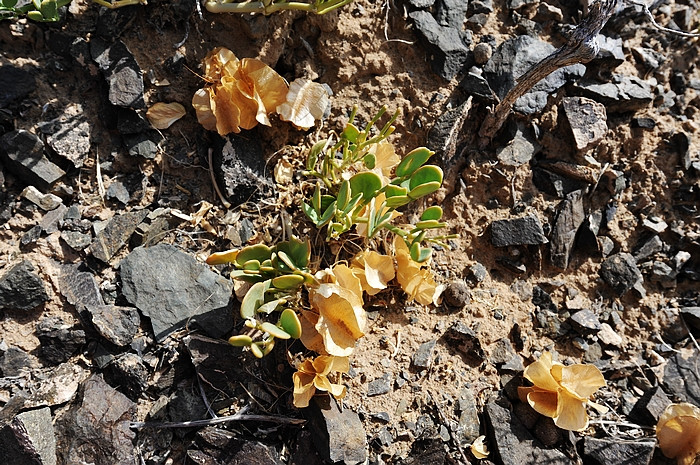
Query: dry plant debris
163,115
312,374
678,433
561,392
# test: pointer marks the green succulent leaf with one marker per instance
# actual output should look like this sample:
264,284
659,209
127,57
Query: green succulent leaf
259,252
370,161
351,133
274,331
315,151
35,16
420,254
343,195
254,298
271,306
425,175
411,162
49,10
240,341
9,3
352,204
327,215
297,251
429,224
398,201
310,212
289,321
367,183
432,213
256,349
251,265
287,281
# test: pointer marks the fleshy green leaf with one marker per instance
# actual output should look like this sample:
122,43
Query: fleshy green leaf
259,252
430,224
424,189
366,183
9,3
310,212
343,195
256,349
287,281
270,306
314,153
254,298
432,213
275,331
370,161
351,132
424,175
411,162
420,254
298,252
240,341
289,321
49,10
397,201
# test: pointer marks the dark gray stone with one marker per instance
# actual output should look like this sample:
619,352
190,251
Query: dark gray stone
502,353
452,13
172,288
466,341
29,439
49,223
118,191
76,240
648,57
456,294
519,231
648,248
339,436
609,451
691,316
587,120
79,287
551,323
482,53
554,184
569,219
154,228
610,56
59,340
379,386
23,155
16,84
520,150
95,429
21,288
643,123
650,406
624,94
620,272
474,83
423,357
127,373
117,232
481,6
513,443
121,71
421,3
116,324
513,58
144,144
585,322
449,53
219,446
69,135
478,272
681,378
240,168
31,236
15,361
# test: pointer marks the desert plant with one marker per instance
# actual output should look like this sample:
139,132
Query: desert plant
45,11
270,6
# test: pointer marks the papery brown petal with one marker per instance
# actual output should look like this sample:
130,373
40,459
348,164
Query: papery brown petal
304,389
271,87
220,62
341,318
163,115
310,337
678,432
305,103
226,111
539,373
544,402
582,380
348,280
379,270
571,413
479,449
201,101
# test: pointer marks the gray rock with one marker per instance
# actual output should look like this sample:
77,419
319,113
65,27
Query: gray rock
551,323
680,378
240,168
143,144
620,272
217,363
650,406
452,13
513,58
423,357
16,84
672,328
219,446
379,386
476,85
76,240
624,94
520,150
29,439
49,223
21,288
118,191
513,443
96,428
79,287
15,361
615,451
593,353
456,294
478,272
339,436
519,231
466,341
643,123
585,322
116,324
501,352
154,228
59,340
115,235
421,3
46,202
481,6
121,71
449,53
648,248
608,336
55,386
128,374
569,219
31,236
648,57
610,55
69,135
172,289
691,316
22,153
554,184
468,427
587,120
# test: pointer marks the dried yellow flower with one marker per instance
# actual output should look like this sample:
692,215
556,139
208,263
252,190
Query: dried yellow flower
417,282
305,103
341,318
479,449
374,271
163,115
240,93
313,374
678,432
561,392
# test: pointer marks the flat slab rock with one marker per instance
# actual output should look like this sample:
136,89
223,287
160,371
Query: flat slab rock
29,439
611,451
21,288
173,289
339,435
518,231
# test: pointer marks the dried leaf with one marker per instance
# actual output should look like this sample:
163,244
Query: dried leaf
417,282
305,103
678,432
374,271
284,172
313,374
479,449
163,115
561,392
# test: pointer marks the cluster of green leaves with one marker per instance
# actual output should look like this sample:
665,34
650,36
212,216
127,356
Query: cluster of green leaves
277,275
349,193
45,11
270,6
